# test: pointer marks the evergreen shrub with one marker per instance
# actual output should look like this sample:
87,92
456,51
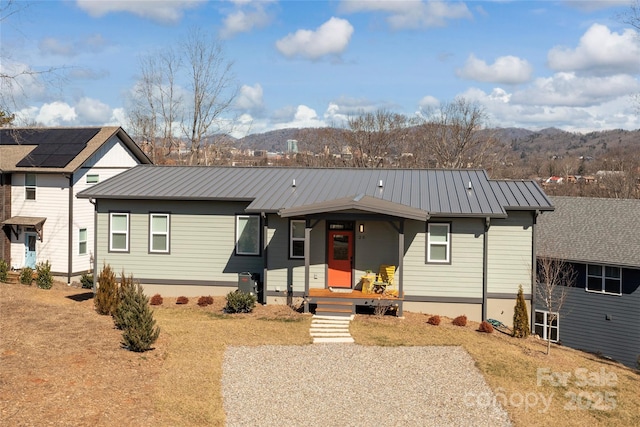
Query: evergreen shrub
240,302
106,298
44,278
520,317
26,275
136,320
4,269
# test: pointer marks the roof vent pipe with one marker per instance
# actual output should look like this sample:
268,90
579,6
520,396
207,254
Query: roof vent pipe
293,183
469,186
380,184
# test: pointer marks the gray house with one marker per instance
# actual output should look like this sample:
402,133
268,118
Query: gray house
460,242
600,238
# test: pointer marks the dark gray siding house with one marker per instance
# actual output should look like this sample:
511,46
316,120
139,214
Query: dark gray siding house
600,238
460,242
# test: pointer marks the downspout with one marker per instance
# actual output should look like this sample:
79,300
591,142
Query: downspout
95,244
534,269
70,243
485,255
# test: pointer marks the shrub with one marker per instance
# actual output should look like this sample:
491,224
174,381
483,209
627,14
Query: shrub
139,330
156,300
182,300
460,321
106,298
240,302
485,327
125,294
4,269
520,317
44,279
434,320
204,301
26,275
87,281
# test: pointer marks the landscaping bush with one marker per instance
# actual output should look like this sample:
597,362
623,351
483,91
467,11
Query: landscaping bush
4,269
138,325
87,281
520,317
182,300
240,302
205,301
106,298
44,278
156,299
125,295
485,327
434,320
460,321
26,275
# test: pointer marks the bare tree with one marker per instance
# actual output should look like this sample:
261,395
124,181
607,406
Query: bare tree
374,136
450,135
554,277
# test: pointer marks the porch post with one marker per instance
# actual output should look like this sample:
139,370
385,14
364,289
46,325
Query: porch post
485,254
400,266
307,263
265,249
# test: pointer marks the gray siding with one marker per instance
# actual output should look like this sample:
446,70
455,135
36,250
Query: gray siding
377,245
202,242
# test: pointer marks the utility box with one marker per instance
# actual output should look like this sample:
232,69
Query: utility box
247,283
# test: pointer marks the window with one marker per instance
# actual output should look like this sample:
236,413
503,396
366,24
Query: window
546,325
119,232
438,243
247,235
92,179
296,236
604,279
159,233
30,186
82,241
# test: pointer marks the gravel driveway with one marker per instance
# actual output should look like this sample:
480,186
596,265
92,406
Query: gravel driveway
352,385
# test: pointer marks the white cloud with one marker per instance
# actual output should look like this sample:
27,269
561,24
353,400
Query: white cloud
163,11
302,117
331,38
599,52
505,70
428,102
56,114
23,83
249,15
411,14
250,97
92,111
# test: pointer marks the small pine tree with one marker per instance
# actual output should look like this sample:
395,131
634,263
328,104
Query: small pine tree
4,268
125,295
139,327
520,317
44,278
106,298
26,276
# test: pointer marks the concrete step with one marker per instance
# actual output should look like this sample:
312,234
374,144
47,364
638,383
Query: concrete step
337,340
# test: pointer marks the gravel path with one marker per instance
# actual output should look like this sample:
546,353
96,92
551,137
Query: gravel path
352,385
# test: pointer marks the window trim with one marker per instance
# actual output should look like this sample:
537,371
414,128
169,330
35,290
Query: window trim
295,239
447,244
153,233
603,278
81,241
545,326
237,236
31,187
126,232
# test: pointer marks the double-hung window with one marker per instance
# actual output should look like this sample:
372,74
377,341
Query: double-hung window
82,241
296,236
118,232
247,235
604,279
159,233
439,242
30,186
547,325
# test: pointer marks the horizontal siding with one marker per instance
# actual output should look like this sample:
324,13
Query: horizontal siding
584,324
509,261
460,279
377,245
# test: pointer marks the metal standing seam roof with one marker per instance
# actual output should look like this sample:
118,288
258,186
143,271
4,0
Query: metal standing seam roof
587,229
415,192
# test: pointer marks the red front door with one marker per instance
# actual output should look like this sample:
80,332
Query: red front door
339,260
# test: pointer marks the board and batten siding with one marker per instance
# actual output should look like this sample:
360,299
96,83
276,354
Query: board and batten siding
604,324
202,242
284,271
510,257
462,278
52,202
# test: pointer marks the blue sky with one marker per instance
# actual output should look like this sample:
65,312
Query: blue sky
533,64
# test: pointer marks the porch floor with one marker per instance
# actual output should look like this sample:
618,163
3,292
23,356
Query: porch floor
354,294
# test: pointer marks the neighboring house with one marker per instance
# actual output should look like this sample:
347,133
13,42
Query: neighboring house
600,239
462,243
41,170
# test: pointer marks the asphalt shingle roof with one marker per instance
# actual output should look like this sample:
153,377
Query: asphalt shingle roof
433,191
604,231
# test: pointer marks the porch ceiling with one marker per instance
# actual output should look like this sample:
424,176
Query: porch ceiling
358,202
